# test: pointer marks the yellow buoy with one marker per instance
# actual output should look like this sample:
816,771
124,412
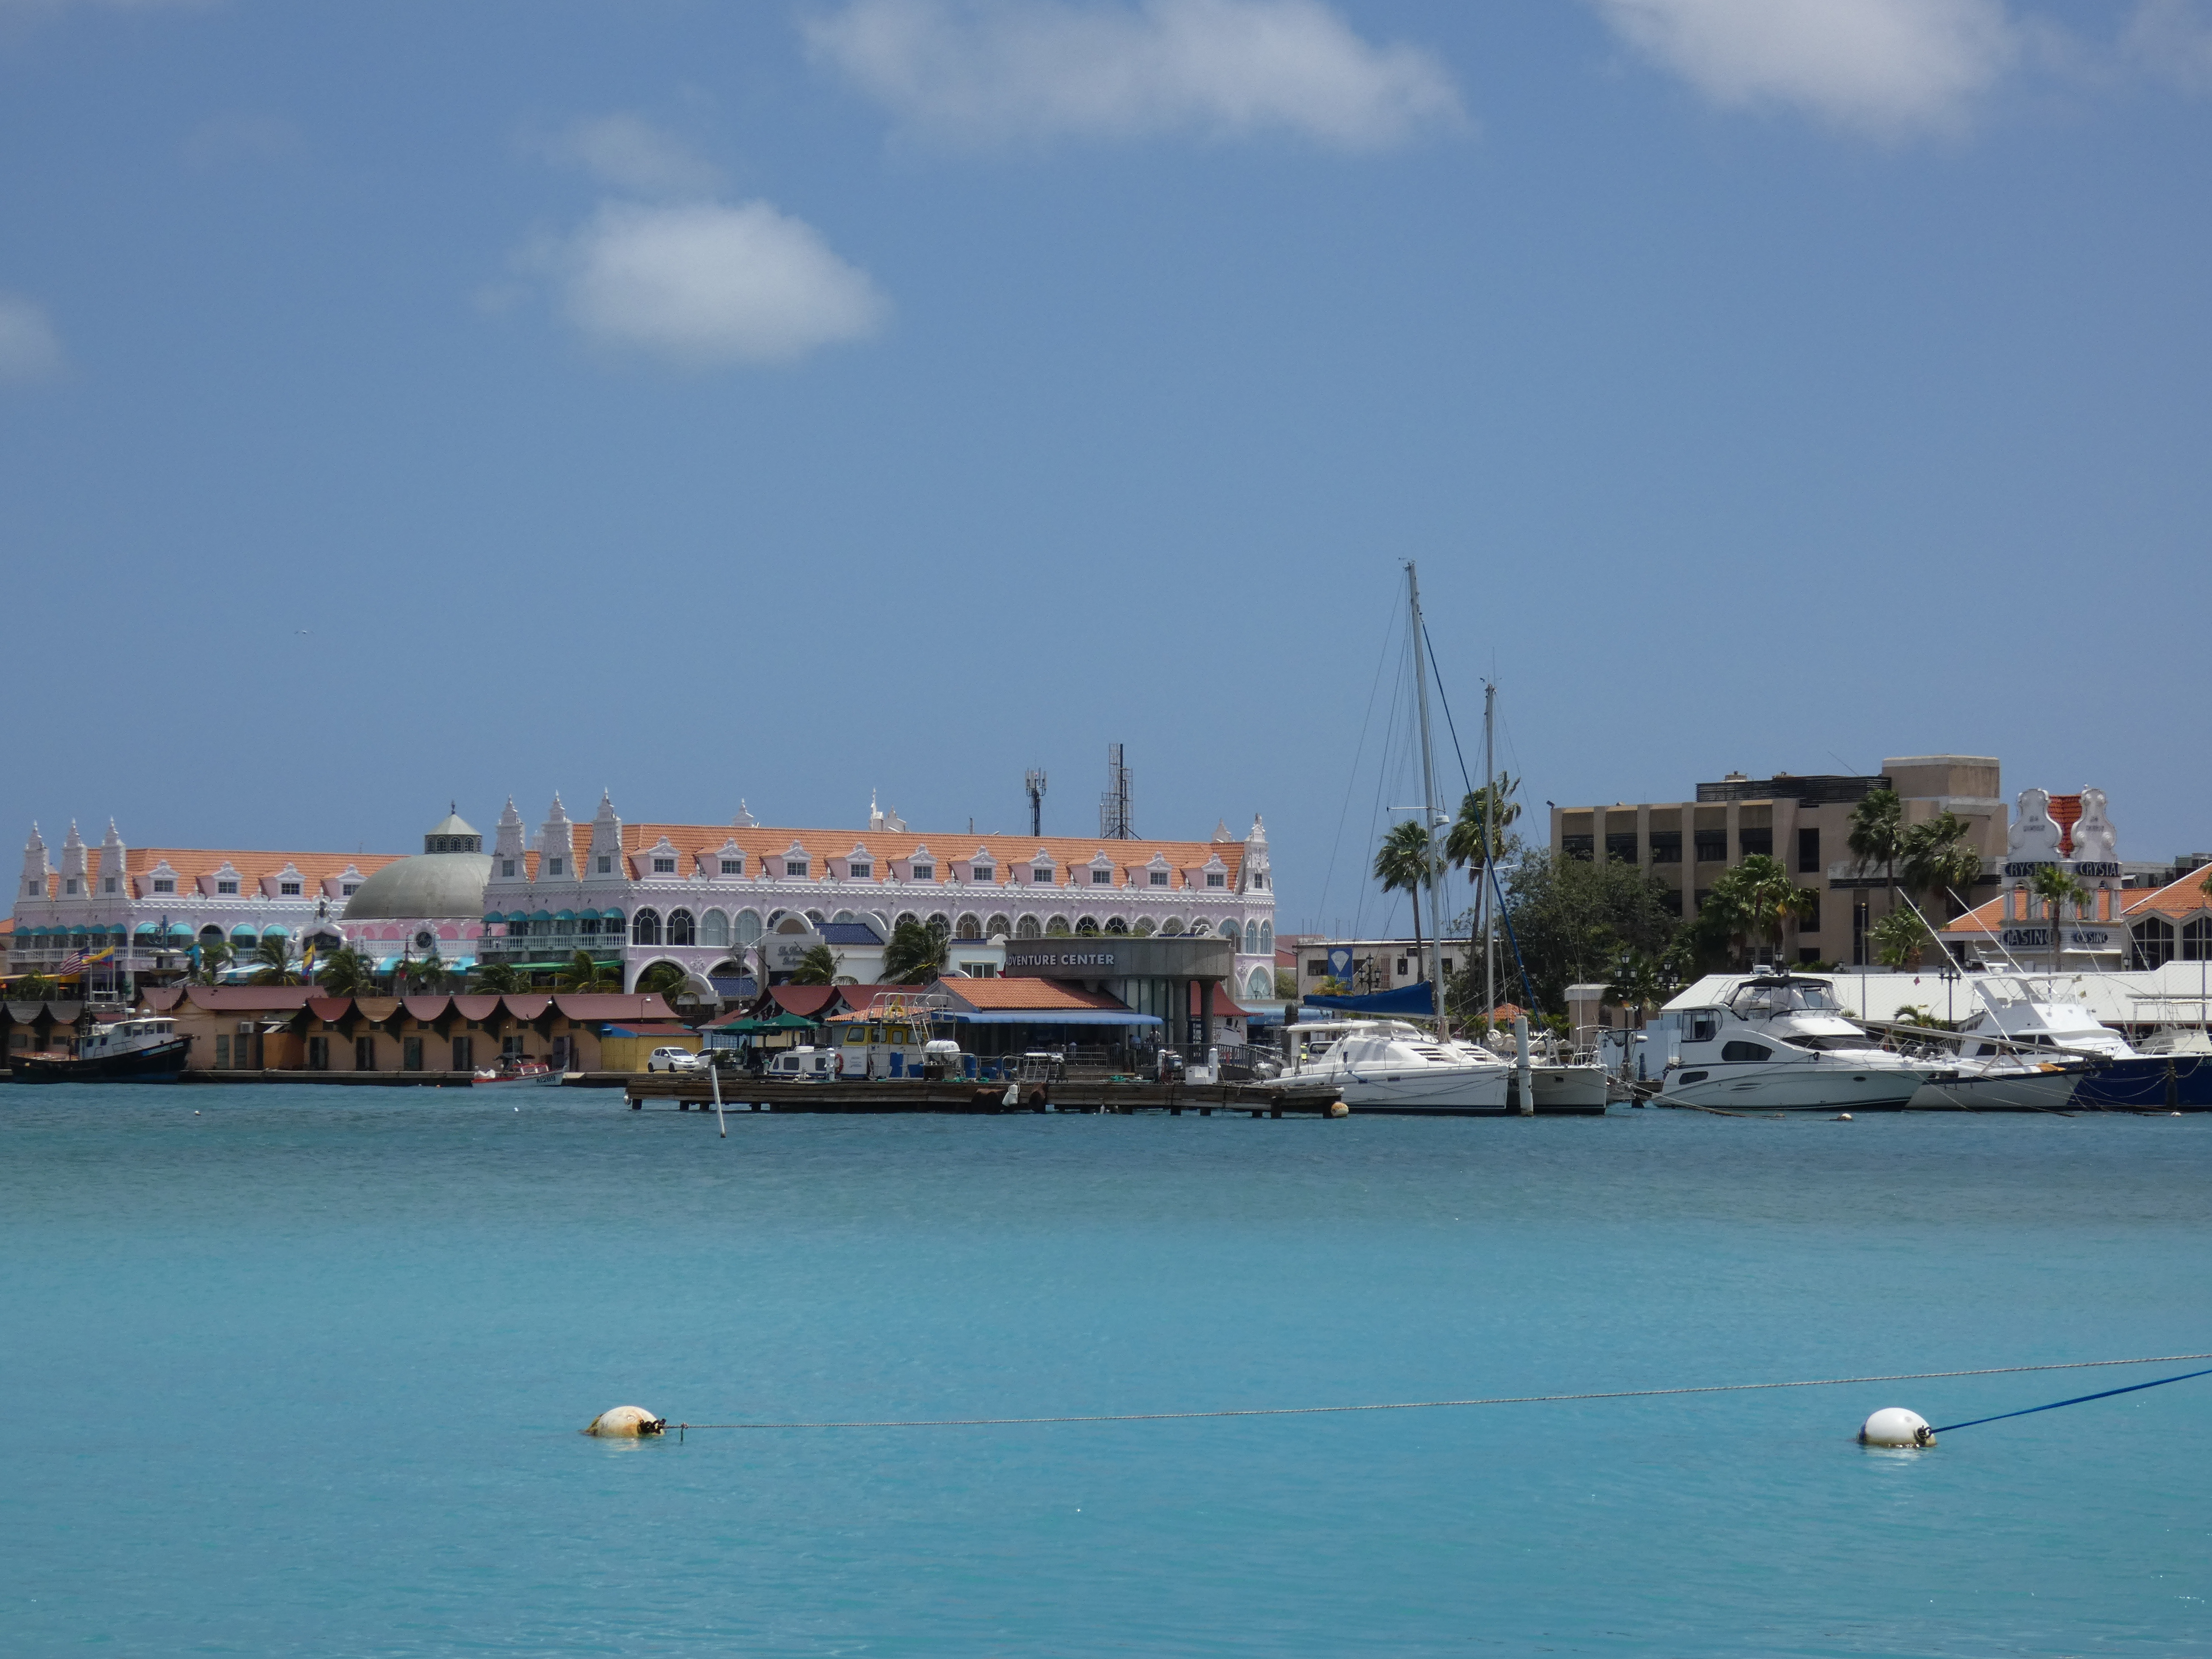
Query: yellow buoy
1337,1109
626,1422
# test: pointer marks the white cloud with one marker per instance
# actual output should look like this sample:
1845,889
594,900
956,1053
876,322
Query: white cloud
703,284
989,70
30,348
2171,38
1886,67
636,157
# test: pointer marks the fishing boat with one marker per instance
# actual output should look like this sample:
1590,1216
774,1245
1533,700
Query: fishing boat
515,1071
144,1049
1392,1066
2027,1015
1774,1040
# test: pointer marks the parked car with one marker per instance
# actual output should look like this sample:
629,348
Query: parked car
671,1060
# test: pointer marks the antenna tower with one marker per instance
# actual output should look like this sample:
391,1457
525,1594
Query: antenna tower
1114,805
1034,782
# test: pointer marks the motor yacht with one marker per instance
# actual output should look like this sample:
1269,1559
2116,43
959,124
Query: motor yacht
1778,1042
1391,1065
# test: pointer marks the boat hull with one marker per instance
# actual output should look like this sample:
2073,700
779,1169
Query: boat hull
158,1063
2042,1091
529,1080
1569,1088
1449,1091
2148,1083
1740,1087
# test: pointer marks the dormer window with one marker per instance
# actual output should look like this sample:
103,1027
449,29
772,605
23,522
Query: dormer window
606,864
1041,875
107,884
733,867
861,872
34,889
794,867
1159,877
347,889
925,873
1216,878
287,889
552,866
664,867
1102,877
975,872
227,884
166,884
507,868
70,886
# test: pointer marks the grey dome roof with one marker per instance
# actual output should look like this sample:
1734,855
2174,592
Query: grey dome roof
434,886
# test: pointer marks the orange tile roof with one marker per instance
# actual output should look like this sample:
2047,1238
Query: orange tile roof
948,848
191,862
2184,897
1019,993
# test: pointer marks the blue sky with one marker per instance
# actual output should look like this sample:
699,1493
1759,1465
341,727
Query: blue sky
785,401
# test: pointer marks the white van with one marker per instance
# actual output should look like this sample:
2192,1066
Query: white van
805,1064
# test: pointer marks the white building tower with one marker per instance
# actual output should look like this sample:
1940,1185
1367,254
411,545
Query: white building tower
73,870
37,872
111,874
556,844
604,862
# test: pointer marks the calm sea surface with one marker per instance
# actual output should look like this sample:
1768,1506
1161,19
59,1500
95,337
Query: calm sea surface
302,1373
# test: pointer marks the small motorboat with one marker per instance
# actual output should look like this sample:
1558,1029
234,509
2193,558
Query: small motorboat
137,1050
1392,1066
516,1071
1774,1040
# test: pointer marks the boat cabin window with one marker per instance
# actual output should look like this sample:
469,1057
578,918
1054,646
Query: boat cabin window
1793,996
1701,1026
1741,1052
1853,1044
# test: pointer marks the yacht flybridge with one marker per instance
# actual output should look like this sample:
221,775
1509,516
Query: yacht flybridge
1776,1042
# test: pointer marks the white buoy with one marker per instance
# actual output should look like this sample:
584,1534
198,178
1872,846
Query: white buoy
626,1422
1893,1425
1843,1117
1337,1109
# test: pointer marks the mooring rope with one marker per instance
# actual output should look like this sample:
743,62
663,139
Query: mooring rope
1499,1399
2079,1399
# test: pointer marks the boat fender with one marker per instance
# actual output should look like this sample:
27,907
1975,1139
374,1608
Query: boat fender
1893,1425
1843,1117
626,1422
1337,1109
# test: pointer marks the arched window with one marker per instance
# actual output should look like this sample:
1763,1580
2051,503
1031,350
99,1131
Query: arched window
1056,928
2153,938
998,927
1086,927
748,929
645,927
1117,925
1231,932
1251,938
2197,939
939,919
1171,928
816,917
211,932
714,928
1267,937
904,917
1028,927
844,916
970,928
681,930
1142,927
1261,984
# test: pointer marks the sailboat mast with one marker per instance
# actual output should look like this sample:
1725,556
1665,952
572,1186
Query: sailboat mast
1489,847
1435,964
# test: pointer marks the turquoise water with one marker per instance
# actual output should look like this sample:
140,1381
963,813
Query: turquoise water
303,1374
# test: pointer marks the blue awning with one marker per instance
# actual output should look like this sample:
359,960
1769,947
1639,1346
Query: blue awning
276,933
541,915
149,930
1416,999
517,916
1053,1017
564,915
494,915
244,933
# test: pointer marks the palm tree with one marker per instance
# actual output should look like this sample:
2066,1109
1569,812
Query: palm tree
273,962
501,978
917,949
1757,899
819,966
662,979
1463,847
1899,938
1877,835
583,973
429,973
2056,887
31,987
346,973
1938,860
215,956
1401,864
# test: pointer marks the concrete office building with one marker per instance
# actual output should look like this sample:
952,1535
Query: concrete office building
1803,821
